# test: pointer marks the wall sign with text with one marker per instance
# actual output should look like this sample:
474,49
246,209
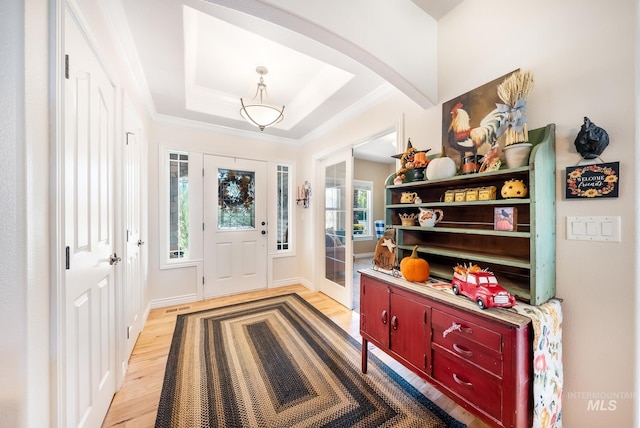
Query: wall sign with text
593,181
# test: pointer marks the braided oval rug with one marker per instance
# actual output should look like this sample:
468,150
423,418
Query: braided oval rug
279,362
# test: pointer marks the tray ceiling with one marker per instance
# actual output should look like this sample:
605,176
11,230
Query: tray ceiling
327,60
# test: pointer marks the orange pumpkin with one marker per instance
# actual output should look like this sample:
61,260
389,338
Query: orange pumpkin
474,269
414,268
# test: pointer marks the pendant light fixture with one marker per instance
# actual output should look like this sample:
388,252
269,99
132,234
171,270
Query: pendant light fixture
257,112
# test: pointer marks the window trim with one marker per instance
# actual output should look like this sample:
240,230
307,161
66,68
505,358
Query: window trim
368,186
195,208
273,211
179,154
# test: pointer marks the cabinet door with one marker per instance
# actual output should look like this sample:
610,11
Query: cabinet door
408,324
374,311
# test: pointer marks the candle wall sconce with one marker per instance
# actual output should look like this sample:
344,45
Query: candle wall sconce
304,194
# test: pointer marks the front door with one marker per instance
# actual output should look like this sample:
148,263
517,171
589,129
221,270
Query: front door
337,255
89,285
235,226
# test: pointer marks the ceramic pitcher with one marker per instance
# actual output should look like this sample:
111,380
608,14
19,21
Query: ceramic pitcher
429,217
408,197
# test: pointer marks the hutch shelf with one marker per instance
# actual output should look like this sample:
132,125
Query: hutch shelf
523,260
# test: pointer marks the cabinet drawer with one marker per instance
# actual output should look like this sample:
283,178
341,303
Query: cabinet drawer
482,357
475,386
457,327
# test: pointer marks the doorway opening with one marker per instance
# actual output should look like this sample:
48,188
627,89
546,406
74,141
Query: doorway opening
372,163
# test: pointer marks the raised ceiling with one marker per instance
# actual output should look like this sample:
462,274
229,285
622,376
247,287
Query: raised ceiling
327,59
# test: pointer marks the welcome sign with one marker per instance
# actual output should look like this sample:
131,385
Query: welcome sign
593,181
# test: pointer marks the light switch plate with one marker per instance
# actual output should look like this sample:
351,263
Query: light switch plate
591,228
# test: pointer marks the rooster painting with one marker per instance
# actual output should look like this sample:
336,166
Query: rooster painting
469,141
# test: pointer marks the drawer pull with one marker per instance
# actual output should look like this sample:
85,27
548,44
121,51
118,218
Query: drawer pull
384,317
462,351
394,322
456,327
461,382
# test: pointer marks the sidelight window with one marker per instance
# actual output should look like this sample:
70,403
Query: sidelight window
178,205
283,182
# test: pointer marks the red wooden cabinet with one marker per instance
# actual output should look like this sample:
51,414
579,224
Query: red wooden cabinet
408,328
396,321
481,359
374,311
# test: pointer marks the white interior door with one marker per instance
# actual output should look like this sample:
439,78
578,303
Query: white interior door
336,262
89,316
132,287
235,225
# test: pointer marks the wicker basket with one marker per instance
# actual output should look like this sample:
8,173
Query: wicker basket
408,219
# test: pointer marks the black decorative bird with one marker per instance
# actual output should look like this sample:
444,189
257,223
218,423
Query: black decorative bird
591,140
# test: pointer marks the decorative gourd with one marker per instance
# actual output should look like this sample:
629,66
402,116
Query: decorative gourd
414,268
442,167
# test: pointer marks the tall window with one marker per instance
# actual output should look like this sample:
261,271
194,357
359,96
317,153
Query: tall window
178,205
282,208
362,223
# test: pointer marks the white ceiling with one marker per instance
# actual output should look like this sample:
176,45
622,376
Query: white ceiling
378,148
327,59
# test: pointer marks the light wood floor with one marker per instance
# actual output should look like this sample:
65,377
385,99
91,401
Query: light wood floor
136,403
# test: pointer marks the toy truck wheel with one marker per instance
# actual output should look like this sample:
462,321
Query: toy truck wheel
455,290
481,304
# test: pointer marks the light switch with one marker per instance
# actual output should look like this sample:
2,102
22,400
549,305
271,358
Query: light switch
591,228
577,227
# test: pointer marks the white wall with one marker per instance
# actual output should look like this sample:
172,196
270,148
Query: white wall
38,219
582,55
13,292
24,218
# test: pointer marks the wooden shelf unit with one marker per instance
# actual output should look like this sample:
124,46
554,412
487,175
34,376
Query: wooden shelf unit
522,260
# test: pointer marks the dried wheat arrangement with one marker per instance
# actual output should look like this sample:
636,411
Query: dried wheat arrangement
513,91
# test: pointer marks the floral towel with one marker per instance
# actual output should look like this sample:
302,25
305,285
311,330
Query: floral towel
547,362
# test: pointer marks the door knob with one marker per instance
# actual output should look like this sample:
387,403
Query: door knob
140,242
114,259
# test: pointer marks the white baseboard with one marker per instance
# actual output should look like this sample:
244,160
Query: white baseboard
190,298
145,316
177,300
293,281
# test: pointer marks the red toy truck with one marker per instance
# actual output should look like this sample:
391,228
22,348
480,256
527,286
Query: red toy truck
481,286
